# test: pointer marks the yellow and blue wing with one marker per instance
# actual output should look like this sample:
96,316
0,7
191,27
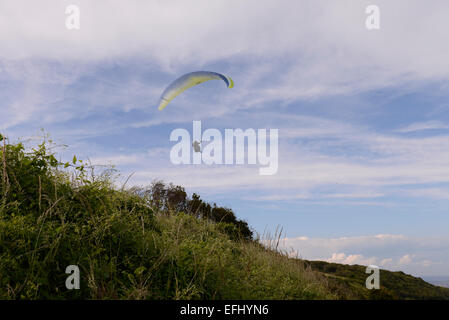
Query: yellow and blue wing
190,80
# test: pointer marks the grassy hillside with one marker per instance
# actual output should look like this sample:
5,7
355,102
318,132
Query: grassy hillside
149,243
146,243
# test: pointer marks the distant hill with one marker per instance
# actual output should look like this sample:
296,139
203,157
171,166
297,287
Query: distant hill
348,282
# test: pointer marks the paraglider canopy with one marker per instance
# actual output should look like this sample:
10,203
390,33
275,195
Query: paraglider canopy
189,80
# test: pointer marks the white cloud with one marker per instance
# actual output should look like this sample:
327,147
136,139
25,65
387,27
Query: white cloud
386,261
405,260
351,259
355,195
117,160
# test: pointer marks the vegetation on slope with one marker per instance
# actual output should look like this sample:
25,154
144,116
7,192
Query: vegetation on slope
152,243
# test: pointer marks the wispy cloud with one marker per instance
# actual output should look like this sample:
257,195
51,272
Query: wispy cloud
375,162
420,126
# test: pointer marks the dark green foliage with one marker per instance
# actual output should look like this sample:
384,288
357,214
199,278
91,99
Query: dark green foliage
23,178
170,198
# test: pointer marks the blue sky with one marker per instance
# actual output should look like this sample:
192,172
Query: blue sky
363,116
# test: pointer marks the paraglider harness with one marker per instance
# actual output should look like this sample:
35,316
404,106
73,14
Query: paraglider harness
197,146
